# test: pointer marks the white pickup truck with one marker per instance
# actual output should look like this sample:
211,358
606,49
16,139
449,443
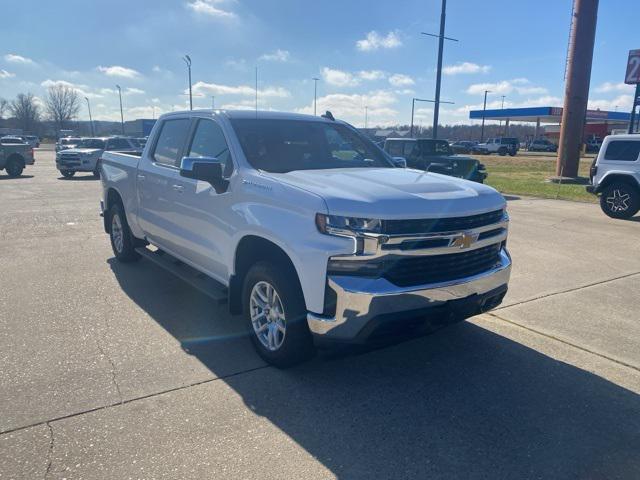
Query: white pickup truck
615,175
305,227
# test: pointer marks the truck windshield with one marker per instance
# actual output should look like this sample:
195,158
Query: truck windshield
284,145
91,143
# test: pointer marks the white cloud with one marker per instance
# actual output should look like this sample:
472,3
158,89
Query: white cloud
371,74
623,102
134,91
465,68
83,90
210,8
521,86
5,74
351,107
374,41
241,90
339,78
118,71
614,87
277,56
401,80
13,58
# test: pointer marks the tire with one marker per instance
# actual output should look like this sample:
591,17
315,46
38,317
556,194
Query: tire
502,152
512,153
279,332
620,200
122,241
67,173
14,167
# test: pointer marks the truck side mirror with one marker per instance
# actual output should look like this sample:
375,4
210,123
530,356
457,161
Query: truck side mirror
399,162
207,169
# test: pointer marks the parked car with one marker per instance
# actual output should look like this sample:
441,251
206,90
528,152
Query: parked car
32,140
66,143
463,146
615,176
305,227
593,145
15,154
435,156
542,145
85,156
500,145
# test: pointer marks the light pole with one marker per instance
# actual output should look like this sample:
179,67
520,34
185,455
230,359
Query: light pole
413,107
484,108
315,94
187,60
90,119
121,114
441,38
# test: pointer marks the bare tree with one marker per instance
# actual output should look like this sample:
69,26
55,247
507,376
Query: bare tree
62,104
26,111
4,106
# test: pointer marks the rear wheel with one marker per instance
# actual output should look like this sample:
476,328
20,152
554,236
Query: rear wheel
502,152
14,167
96,171
275,311
67,173
620,200
122,241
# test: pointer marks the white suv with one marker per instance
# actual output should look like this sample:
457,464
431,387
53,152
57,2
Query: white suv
615,175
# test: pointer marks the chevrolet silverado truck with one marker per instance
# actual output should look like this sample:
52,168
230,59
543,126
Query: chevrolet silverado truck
306,228
85,156
435,156
615,176
15,154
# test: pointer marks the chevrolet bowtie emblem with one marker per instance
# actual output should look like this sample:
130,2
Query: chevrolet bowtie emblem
464,240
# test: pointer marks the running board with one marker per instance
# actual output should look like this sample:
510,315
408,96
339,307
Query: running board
193,277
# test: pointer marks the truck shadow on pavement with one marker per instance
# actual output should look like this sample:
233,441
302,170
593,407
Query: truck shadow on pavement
461,403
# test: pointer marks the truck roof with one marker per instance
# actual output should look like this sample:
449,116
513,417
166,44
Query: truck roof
252,114
625,136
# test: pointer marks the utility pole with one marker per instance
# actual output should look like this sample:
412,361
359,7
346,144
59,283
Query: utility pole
576,95
315,95
441,39
90,119
121,114
484,109
187,60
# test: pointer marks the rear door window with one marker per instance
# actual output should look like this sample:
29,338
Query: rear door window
622,150
171,140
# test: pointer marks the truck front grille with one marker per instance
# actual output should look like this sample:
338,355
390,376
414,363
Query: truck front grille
69,159
420,270
436,225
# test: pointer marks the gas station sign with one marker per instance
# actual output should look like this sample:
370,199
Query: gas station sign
633,68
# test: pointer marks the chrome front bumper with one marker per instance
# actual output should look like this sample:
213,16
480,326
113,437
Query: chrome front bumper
361,301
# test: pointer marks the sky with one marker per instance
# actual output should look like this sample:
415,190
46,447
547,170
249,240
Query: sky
365,53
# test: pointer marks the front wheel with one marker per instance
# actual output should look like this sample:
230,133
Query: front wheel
122,241
14,168
67,173
502,152
620,200
275,311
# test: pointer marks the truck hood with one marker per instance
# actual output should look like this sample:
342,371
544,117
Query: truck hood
392,193
82,150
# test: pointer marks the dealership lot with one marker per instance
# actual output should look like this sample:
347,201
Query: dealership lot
117,371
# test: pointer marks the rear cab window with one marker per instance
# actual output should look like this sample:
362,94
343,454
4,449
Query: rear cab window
622,151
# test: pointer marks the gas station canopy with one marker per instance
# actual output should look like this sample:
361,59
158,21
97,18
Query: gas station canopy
548,115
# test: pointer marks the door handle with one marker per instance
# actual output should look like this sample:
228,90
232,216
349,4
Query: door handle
141,177
178,188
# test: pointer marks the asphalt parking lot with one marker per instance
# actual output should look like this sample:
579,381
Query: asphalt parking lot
123,371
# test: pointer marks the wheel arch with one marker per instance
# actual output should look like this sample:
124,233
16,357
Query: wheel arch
16,156
618,177
111,198
250,250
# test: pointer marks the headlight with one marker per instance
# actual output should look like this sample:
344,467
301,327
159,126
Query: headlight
349,226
